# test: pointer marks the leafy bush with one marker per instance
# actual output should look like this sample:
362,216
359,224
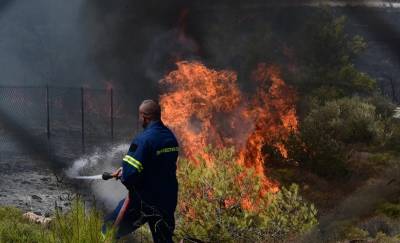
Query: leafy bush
323,94
327,53
393,136
383,106
328,130
355,233
348,120
224,202
383,238
345,230
288,213
391,210
380,223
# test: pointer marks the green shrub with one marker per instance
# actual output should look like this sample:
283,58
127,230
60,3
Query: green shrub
224,202
393,141
355,233
380,223
289,213
348,120
385,109
383,238
383,106
391,210
328,130
341,230
317,152
323,94
327,53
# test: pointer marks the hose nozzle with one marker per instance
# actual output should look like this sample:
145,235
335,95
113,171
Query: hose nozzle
107,176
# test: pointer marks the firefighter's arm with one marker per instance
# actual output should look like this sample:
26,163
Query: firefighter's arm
133,163
117,174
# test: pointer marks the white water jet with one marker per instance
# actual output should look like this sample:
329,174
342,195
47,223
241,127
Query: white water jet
90,168
94,177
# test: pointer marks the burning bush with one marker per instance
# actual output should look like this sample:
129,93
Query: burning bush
206,106
225,202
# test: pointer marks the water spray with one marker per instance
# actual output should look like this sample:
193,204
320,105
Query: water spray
105,176
90,167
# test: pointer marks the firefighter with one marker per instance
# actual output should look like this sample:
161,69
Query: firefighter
149,173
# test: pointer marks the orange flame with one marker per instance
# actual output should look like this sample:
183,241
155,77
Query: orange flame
204,106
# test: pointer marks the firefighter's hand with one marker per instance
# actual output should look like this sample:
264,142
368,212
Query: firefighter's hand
118,173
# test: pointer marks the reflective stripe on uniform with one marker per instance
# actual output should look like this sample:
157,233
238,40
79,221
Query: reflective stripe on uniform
167,150
134,162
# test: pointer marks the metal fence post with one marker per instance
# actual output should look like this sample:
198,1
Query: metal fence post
48,119
83,118
112,114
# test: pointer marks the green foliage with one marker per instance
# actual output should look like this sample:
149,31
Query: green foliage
383,106
220,201
393,142
383,238
231,42
327,53
78,225
289,213
380,223
332,46
355,233
323,94
349,120
15,228
391,210
380,159
345,230
329,129
355,81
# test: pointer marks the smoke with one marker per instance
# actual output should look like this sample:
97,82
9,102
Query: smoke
136,42
42,42
109,192
29,143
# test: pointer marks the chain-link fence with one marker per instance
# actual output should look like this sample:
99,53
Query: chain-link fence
69,121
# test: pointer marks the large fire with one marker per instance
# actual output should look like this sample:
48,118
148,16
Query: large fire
205,106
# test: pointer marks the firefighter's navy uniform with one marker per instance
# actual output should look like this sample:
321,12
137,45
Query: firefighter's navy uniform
149,173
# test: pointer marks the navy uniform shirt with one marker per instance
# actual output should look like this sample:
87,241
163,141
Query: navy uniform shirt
149,168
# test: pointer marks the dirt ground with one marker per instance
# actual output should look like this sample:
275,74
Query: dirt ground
26,185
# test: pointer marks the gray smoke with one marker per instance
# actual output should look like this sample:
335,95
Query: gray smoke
109,192
43,42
